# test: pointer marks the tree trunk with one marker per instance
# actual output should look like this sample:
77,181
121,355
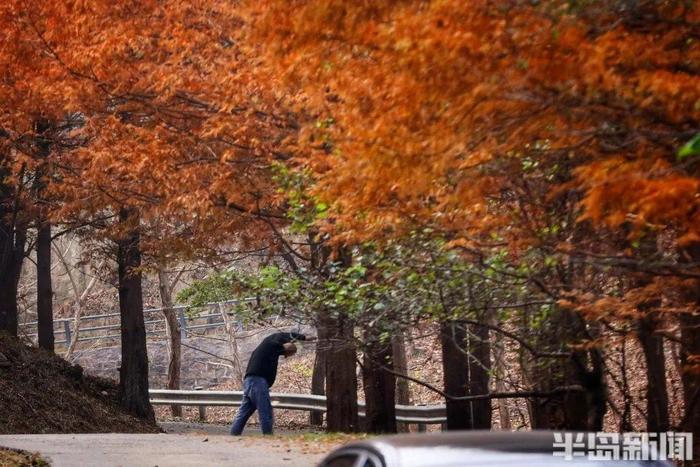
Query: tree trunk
174,355
44,292
230,328
319,255
403,394
690,358
335,350
657,395
9,282
75,335
574,410
479,375
596,388
455,375
466,365
690,362
500,369
653,347
13,236
341,379
379,386
10,271
81,291
172,328
133,374
318,378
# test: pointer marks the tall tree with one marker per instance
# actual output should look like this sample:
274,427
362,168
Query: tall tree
173,331
456,375
44,290
13,238
133,372
378,383
341,378
466,363
403,391
318,376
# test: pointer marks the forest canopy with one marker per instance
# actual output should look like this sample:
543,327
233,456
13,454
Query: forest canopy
494,170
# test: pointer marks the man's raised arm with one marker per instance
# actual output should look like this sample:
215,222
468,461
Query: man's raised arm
295,336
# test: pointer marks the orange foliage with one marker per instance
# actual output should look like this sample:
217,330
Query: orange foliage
429,98
175,124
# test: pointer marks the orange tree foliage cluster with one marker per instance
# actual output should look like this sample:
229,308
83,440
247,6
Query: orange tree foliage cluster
425,102
172,123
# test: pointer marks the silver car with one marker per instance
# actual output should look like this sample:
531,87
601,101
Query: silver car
467,448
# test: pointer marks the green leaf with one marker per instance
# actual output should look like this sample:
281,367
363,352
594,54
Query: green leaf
689,149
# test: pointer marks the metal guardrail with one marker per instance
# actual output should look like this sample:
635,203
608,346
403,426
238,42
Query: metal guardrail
422,414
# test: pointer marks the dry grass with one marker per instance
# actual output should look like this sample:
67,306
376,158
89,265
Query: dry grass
14,458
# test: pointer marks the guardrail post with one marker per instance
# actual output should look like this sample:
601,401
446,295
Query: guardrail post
421,426
67,332
183,323
202,408
208,311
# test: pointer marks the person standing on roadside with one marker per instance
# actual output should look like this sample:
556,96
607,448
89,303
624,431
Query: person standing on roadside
260,376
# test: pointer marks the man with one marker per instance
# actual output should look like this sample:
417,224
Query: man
260,376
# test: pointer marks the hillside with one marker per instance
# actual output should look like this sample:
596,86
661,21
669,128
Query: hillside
42,393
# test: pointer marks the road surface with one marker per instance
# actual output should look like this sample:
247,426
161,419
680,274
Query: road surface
166,450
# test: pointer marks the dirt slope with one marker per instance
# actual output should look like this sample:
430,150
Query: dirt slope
42,393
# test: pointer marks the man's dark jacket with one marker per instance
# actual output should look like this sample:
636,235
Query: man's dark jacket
264,360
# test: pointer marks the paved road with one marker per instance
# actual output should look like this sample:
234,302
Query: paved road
195,428
163,450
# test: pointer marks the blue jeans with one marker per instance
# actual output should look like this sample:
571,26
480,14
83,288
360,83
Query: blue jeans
256,395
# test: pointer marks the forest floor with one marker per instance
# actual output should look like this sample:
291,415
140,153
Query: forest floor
42,393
